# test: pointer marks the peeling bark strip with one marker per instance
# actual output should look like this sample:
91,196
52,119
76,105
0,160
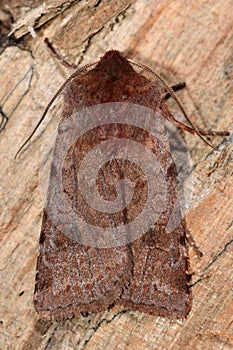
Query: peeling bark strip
108,261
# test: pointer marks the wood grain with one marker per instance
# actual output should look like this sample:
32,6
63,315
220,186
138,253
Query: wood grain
186,41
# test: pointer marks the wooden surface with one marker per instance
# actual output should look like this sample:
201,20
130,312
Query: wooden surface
189,41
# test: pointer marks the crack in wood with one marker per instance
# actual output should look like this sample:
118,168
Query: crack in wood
216,257
3,114
95,328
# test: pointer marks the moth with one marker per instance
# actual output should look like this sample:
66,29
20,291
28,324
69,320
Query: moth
83,270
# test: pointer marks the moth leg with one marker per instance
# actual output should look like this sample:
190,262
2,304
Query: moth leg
181,86
175,88
189,238
58,55
192,131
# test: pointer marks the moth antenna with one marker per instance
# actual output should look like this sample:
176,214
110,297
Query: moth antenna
55,96
175,97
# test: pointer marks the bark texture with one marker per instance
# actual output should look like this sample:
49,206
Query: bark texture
186,41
